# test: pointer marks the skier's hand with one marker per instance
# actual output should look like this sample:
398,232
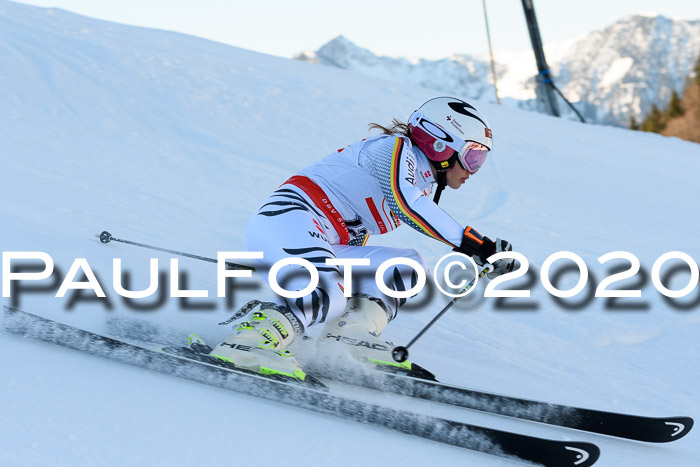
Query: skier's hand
502,266
480,247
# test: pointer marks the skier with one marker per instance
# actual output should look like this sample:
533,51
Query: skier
328,210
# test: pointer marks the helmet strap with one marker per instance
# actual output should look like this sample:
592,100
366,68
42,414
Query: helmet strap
441,178
441,175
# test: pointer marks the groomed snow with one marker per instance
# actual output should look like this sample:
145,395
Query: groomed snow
174,141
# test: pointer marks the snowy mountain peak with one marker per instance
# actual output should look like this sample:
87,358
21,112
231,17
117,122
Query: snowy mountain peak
342,52
342,41
611,74
620,71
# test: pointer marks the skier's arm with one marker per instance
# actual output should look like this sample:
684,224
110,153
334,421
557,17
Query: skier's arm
397,177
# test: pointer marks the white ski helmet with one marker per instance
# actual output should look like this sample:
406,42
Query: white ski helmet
448,130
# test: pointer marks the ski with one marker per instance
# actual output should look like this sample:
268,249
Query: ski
308,396
635,427
420,383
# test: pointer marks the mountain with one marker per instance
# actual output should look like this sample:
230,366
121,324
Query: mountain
446,75
175,141
610,75
621,71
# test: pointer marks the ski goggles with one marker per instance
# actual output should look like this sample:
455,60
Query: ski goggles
472,156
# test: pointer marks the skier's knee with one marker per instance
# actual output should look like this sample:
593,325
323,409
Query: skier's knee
410,253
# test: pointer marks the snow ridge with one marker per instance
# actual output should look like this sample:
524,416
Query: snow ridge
610,75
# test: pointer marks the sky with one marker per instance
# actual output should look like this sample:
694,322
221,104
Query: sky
406,28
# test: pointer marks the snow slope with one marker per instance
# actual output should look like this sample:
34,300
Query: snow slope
174,141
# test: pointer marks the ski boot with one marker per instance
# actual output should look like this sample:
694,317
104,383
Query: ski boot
259,344
359,327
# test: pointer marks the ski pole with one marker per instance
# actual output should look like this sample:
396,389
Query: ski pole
106,237
400,353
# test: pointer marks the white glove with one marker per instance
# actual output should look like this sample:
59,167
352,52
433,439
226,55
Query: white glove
502,266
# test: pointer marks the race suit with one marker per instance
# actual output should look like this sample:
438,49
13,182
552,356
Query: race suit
329,209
